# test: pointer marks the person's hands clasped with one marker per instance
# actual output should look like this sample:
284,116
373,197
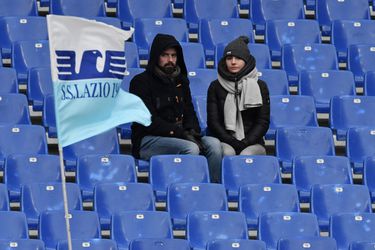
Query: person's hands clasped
193,136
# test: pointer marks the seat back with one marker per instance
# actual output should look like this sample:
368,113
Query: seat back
131,55
22,244
362,245
18,8
236,244
276,80
200,80
312,243
13,225
361,60
200,107
92,244
82,8
369,85
39,85
4,198
159,244
368,174
9,82
193,55
14,109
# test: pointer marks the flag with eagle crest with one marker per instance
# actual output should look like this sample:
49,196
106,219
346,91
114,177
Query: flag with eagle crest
87,66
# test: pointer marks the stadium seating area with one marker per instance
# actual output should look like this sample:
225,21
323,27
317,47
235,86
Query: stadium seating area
314,190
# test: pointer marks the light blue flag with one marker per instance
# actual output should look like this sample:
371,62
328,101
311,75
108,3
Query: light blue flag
87,66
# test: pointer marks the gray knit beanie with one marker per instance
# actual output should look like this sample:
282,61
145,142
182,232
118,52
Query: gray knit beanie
238,48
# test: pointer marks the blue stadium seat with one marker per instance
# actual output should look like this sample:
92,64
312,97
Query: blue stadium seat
194,56
92,244
168,169
200,80
18,8
111,198
195,10
22,244
99,168
184,198
37,198
260,52
311,243
9,82
346,228
281,32
325,84
13,225
14,29
200,106
205,226
22,139
114,21
361,60
159,244
329,10
4,198
39,85
349,32
27,55
276,80
82,8
52,227
131,55
358,245
256,169
147,28
49,115
25,169
350,111
104,143
130,10
216,31
291,142
282,225
291,111
262,10
360,143
131,225
255,199
368,175
369,85
330,199
298,57
236,245
310,170
14,109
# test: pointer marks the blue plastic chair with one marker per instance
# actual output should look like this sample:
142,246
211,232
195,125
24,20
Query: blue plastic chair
195,10
216,31
311,170
82,8
99,168
291,142
346,228
360,143
350,111
9,82
39,85
236,244
368,175
184,198
37,198
159,244
206,226
14,109
200,80
147,28
4,198
132,225
369,85
200,107
281,32
22,139
27,55
262,10
282,225
361,60
349,32
25,169
325,84
291,111
18,8
298,57
256,169
311,243
358,245
13,28
131,55
330,199
255,199
52,227
194,56
111,198
13,225
91,244
168,169
329,10
22,244
276,80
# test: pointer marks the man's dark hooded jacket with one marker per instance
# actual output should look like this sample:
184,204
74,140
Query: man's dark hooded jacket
169,101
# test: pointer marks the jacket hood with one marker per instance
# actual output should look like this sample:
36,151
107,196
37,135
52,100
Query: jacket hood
162,42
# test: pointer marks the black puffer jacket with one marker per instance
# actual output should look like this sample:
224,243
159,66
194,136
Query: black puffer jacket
168,101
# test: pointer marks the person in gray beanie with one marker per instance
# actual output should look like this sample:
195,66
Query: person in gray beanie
238,103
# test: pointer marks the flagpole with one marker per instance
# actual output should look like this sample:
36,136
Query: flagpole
65,198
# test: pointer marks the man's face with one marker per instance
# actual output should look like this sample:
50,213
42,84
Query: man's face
168,59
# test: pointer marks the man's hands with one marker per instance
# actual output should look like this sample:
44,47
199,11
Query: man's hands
194,136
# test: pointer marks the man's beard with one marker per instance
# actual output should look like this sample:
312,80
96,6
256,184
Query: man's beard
169,68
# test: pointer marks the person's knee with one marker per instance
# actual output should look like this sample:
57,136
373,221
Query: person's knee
190,148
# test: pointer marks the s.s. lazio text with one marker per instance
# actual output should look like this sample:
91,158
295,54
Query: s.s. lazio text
95,88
